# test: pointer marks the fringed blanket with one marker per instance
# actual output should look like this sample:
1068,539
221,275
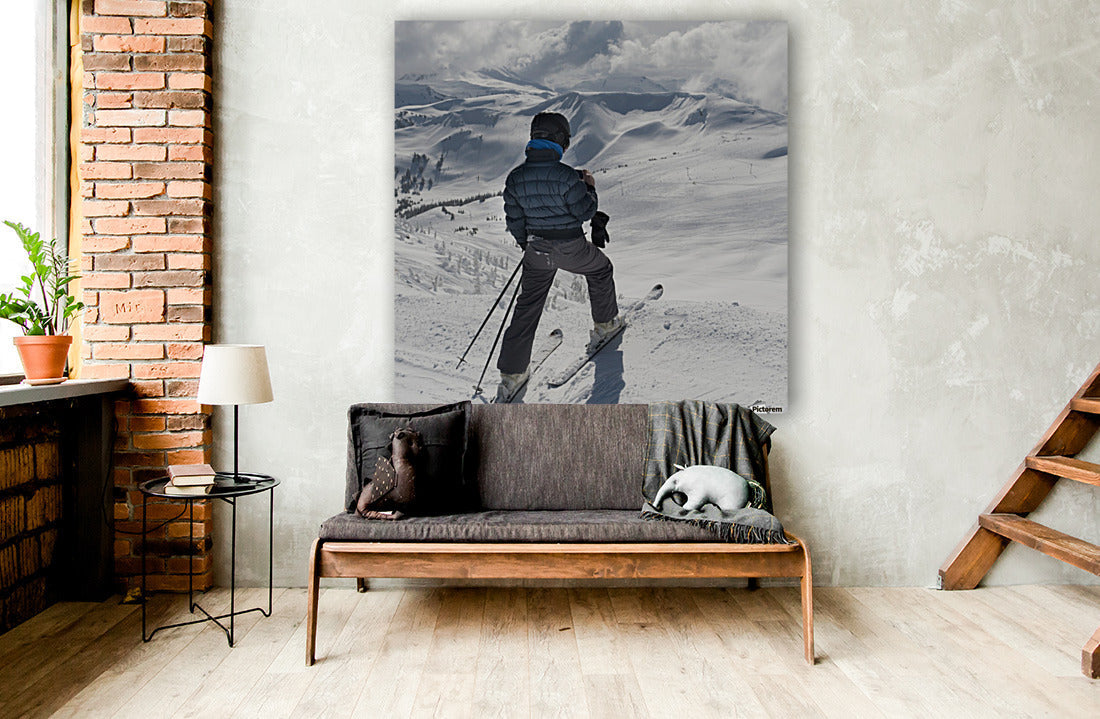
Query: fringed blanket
692,432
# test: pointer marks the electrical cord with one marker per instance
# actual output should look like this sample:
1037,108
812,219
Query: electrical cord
108,482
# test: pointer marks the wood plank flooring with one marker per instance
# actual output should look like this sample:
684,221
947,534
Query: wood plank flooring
568,652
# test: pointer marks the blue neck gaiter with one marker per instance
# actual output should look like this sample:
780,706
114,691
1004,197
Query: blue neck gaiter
546,145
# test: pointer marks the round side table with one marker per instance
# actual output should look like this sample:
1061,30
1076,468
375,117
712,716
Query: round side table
227,489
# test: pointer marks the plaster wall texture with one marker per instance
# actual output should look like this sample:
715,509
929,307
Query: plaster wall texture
943,253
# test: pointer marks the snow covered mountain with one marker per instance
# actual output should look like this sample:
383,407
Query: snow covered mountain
696,187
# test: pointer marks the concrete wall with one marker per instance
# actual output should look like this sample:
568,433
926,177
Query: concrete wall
943,257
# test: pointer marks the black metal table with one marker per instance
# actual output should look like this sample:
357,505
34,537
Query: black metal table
227,490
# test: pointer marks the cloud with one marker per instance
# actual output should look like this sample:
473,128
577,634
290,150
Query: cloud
747,60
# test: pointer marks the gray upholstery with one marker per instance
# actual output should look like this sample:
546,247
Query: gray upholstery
547,456
558,456
599,525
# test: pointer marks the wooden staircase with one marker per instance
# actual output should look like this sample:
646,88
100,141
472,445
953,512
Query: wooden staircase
1004,520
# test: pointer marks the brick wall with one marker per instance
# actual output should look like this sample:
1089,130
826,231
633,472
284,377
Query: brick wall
30,510
144,175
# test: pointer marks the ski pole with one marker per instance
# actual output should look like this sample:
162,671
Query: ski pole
490,313
497,339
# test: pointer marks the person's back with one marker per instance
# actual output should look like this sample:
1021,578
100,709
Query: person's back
545,202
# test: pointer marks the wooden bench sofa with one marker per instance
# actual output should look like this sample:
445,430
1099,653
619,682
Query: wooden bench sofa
559,495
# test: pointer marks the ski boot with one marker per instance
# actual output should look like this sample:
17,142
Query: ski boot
509,387
601,331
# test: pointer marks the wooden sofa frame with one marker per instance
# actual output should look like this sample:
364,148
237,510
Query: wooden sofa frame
513,560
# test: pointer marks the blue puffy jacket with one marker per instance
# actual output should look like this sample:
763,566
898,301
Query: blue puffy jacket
547,198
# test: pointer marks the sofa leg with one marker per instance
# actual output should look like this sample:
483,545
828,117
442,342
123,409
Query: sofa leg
362,584
808,606
311,611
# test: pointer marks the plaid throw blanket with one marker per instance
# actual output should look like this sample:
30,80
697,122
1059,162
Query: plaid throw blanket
692,432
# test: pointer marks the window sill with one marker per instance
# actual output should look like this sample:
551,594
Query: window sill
15,394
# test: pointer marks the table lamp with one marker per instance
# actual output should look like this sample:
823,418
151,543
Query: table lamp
236,375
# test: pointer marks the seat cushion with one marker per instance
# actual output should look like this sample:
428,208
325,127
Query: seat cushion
577,525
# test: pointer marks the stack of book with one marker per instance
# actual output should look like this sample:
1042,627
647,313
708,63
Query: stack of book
189,480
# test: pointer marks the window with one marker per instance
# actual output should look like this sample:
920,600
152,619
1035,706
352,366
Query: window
34,148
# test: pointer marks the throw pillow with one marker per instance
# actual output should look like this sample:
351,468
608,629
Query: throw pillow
441,486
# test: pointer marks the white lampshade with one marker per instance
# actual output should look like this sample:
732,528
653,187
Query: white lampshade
234,374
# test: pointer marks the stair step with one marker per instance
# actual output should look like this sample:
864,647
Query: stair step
1089,405
1050,542
1067,467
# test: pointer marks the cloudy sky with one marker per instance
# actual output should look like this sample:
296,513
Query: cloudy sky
746,59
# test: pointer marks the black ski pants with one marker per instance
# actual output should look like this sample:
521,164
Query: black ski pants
541,261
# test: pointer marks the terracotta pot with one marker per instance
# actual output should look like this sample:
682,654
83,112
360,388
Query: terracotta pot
43,356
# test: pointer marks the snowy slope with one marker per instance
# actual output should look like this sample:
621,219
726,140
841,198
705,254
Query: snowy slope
696,186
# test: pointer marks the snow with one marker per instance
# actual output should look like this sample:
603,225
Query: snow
696,187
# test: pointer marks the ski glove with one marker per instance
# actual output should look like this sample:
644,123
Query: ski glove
600,238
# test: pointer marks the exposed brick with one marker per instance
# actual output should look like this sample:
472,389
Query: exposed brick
187,118
130,43
180,135
175,62
134,307
188,296
169,170
182,529
149,8
190,188
169,278
129,189
169,440
94,135
113,100
106,170
187,8
129,262
169,207
104,371
108,243
141,459
184,351
147,388
166,406
105,280
106,61
106,208
86,188
181,565
197,153
168,333
130,80
190,261
132,152
16,466
187,99
129,225
193,421
189,456
188,43
186,314
105,25
169,243
173,26
187,225
85,153
131,118
181,387
148,424
128,351
106,333
190,81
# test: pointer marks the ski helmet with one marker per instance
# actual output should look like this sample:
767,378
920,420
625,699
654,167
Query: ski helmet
551,126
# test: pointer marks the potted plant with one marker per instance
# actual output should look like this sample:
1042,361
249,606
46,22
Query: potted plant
44,310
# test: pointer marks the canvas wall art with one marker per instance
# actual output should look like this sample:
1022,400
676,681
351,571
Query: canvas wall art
676,131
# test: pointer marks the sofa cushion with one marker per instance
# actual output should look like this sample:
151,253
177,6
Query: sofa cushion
585,525
441,479
559,456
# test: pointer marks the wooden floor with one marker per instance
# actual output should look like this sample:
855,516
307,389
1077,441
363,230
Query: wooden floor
585,652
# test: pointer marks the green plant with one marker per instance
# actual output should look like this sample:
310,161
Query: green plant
50,278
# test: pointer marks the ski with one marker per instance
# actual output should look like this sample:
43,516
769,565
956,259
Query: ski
591,350
536,361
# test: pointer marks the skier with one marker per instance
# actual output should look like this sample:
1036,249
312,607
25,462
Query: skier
545,202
